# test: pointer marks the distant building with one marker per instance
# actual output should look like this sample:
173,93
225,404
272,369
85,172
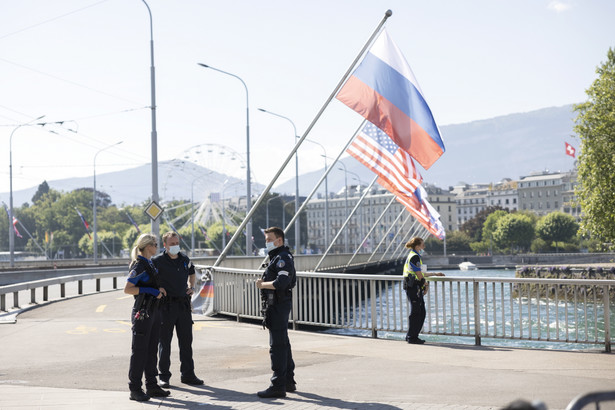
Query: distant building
546,192
445,204
504,194
471,199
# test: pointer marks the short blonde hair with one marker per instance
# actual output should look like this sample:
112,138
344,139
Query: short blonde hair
143,241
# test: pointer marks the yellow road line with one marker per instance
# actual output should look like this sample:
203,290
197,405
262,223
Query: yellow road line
100,308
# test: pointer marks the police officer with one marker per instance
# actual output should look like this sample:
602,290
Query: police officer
143,283
177,275
416,286
275,285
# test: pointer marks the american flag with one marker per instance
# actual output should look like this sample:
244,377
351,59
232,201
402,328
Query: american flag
377,151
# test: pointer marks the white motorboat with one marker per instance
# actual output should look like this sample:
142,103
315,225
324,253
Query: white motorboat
467,266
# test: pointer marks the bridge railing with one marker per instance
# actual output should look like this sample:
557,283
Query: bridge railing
550,310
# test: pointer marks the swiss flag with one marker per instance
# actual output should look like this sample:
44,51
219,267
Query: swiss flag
570,150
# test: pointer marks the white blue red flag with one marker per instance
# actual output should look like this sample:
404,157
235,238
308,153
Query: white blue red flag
377,151
85,223
384,91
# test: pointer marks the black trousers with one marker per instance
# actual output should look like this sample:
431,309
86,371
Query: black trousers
417,311
176,315
280,350
145,334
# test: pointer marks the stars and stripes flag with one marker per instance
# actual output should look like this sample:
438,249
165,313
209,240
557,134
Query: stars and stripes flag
377,151
204,232
385,92
85,223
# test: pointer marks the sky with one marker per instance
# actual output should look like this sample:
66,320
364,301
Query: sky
85,66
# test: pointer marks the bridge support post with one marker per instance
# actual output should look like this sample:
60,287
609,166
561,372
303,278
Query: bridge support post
33,295
372,297
16,299
607,319
476,314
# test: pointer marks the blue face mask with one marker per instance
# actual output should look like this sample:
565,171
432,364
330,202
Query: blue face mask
421,251
269,246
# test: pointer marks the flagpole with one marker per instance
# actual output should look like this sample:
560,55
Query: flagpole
31,237
386,251
399,251
346,222
372,228
323,177
262,196
384,237
392,241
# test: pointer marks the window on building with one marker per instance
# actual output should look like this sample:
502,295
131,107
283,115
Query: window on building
556,205
514,200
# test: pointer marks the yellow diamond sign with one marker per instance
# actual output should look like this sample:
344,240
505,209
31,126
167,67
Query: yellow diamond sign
153,210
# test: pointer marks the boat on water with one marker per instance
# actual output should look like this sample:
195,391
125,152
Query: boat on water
467,266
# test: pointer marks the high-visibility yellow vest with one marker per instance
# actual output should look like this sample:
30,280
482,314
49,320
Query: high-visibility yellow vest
407,269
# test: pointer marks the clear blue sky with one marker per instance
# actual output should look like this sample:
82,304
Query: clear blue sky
87,62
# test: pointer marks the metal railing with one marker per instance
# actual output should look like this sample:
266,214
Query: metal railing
56,288
552,310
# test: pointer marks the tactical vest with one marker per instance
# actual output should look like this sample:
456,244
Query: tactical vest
407,268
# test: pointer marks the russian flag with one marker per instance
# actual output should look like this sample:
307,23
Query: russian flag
384,91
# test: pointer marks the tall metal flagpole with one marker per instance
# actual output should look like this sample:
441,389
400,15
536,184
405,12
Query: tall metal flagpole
373,227
401,247
354,210
303,137
386,251
384,237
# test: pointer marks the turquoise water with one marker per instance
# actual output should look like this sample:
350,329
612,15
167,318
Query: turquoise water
522,316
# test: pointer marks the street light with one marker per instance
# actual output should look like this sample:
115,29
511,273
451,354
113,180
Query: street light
297,229
326,191
356,176
11,229
95,200
249,184
155,225
346,204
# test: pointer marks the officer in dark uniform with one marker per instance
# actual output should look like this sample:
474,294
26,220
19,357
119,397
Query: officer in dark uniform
143,283
177,276
275,285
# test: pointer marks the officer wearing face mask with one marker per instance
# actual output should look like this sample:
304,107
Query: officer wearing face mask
416,286
177,276
275,286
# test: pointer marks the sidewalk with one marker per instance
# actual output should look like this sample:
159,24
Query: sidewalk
74,354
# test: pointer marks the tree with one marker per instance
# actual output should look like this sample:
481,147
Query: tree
595,126
474,227
43,188
557,227
514,230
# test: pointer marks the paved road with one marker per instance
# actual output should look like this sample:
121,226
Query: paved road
74,354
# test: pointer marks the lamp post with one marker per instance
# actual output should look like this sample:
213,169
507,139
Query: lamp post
11,229
155,225
94,200
249,184
297,226
326,192
346,204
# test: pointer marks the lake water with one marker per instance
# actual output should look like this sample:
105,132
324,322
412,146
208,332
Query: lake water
485,341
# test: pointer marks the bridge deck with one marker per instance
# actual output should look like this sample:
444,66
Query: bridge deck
74,354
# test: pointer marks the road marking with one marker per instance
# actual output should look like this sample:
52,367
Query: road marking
125,297
100,308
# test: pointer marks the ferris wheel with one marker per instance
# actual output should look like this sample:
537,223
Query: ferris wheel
211,176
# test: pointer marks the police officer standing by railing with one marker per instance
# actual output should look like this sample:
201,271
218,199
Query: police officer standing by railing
177,276
416,287
275,285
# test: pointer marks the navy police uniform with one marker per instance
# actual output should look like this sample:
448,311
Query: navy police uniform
145,324
276,309
414,290
176,312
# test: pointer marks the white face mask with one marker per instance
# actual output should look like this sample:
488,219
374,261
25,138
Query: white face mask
269,246
174,250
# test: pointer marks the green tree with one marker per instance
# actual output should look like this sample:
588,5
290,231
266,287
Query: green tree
557,227
474,227
457,241
595,126
515,231
43,188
